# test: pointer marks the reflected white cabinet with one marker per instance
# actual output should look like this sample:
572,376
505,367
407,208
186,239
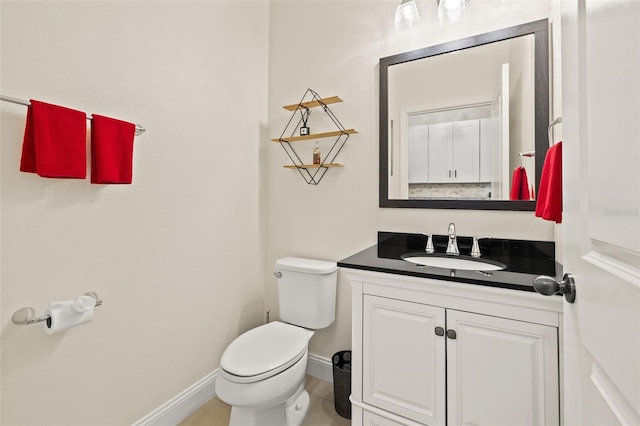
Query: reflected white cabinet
418,146
427,352
457,152
440,157
454,152
466,151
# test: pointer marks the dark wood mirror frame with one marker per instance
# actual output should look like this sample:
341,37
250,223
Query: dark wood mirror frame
540,31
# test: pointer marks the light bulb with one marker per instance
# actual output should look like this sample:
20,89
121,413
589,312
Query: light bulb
452,8
406,14
452,4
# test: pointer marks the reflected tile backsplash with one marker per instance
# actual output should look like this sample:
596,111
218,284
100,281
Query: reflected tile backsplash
476,191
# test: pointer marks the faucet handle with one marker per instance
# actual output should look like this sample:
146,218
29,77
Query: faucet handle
429,247
475,248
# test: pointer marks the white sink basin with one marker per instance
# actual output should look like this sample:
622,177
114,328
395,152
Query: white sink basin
453,262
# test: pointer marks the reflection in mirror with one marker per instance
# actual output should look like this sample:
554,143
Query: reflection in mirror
456,133
460,121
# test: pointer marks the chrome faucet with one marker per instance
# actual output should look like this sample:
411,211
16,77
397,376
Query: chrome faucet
452,246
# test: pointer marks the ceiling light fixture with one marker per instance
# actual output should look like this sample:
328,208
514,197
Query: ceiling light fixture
451,8
406,14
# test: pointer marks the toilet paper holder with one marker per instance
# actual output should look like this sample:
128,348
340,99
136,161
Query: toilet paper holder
27,315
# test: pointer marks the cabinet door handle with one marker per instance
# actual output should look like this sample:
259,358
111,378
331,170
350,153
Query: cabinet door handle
449,173
455,173
439,331
451,334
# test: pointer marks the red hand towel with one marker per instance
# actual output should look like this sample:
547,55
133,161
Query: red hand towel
516,182
549,204
54,143
520,185
111,150
524,186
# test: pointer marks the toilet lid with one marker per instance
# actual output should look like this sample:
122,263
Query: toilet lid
272,347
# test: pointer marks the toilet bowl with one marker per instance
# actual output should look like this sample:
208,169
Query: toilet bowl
262,376
262,372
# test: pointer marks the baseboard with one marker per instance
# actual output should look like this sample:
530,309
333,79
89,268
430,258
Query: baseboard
195,396
320,367
182,405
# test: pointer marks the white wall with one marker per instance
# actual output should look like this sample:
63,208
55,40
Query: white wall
334,47
162,253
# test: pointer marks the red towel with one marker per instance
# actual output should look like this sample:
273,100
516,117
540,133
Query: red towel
520,185
549,204
111,150
54,143
516,182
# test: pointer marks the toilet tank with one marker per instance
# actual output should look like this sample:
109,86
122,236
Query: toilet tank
307,291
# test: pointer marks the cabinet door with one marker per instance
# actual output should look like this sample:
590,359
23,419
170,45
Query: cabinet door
370,419
466,151
440,152
501,372
488,144
404,359
417,152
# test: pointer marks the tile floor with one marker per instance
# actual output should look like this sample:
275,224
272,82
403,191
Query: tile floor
321,413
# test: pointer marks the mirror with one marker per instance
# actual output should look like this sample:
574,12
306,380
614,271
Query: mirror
457,119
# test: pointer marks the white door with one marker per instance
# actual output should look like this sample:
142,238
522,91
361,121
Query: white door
501,371
488,132
403,362
601,223
501,181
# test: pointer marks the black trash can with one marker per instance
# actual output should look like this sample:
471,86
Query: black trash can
342,383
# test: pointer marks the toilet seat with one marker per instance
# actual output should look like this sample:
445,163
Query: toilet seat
264,352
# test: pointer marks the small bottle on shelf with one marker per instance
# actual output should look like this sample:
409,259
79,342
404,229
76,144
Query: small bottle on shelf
316,154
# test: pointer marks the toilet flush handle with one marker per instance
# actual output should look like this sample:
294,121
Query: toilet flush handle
277,274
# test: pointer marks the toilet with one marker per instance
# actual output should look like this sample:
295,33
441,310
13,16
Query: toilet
262,372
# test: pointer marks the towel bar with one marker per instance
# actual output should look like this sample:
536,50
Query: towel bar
139,129
26,316
553,123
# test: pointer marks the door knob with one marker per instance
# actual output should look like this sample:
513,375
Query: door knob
549,286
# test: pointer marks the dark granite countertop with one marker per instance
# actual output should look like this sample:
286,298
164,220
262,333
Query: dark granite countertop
525,260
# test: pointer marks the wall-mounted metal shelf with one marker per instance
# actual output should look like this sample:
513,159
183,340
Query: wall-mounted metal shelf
315,136
313,166
313,173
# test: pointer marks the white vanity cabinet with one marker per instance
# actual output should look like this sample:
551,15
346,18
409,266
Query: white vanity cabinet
437,352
